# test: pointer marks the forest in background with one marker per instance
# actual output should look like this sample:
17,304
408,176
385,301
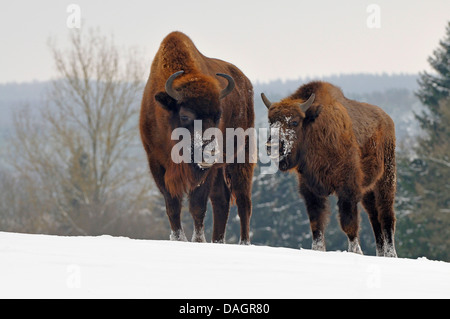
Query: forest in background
75,185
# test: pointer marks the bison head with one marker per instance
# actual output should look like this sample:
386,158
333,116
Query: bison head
195,97
291,117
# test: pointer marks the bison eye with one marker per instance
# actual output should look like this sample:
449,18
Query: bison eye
293,123
185,119
217,117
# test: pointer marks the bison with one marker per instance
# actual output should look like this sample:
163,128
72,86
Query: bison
184,87
343,147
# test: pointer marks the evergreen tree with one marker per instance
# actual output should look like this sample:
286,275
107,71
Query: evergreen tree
434,88
425,226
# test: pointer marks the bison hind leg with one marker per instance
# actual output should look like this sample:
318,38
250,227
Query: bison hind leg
385,195
380,215
370,206
385,201
349,219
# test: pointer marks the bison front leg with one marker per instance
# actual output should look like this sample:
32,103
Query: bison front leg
220,200
173,203
173,210
241,186
318,212
198,200
244,205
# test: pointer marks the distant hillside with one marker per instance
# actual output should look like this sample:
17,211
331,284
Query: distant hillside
13,95
394,93
359,83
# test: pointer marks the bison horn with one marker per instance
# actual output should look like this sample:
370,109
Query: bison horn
266,100
229,87
169,84
307,104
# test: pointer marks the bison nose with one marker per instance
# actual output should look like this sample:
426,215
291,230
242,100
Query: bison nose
210,151
269,148
272,147
208,155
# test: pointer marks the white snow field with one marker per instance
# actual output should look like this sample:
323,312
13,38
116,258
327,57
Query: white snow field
42,266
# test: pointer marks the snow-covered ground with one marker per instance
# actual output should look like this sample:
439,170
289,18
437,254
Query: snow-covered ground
42,266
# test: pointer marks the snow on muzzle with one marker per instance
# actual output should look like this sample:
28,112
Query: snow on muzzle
280,146
211,153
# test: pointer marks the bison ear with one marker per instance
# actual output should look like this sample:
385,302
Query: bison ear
166,101
312,113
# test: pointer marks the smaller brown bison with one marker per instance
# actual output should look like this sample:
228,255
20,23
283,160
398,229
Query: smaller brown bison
343,147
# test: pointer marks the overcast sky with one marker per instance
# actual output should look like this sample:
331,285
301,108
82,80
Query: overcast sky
266,39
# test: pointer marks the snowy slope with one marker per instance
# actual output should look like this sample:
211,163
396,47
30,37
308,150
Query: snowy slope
41,266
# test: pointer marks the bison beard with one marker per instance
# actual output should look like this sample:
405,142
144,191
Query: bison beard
185,86
340,146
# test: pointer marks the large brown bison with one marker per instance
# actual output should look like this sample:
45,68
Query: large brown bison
184,87
339,146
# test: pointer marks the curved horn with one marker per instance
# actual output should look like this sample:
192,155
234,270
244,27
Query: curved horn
169,83
307,104
266,100
229,87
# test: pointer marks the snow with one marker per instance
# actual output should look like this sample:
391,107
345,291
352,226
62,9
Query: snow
286,135
43,266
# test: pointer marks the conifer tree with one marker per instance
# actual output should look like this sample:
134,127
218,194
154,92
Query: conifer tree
435,87
425,230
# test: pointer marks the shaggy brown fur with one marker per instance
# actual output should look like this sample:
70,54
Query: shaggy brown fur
198,91
343,147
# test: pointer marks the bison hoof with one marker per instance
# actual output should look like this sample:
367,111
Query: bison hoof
318,246
244,242
198,236
354,247
318,243
178,235
380,251
389,251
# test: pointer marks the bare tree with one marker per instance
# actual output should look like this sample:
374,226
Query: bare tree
81,148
